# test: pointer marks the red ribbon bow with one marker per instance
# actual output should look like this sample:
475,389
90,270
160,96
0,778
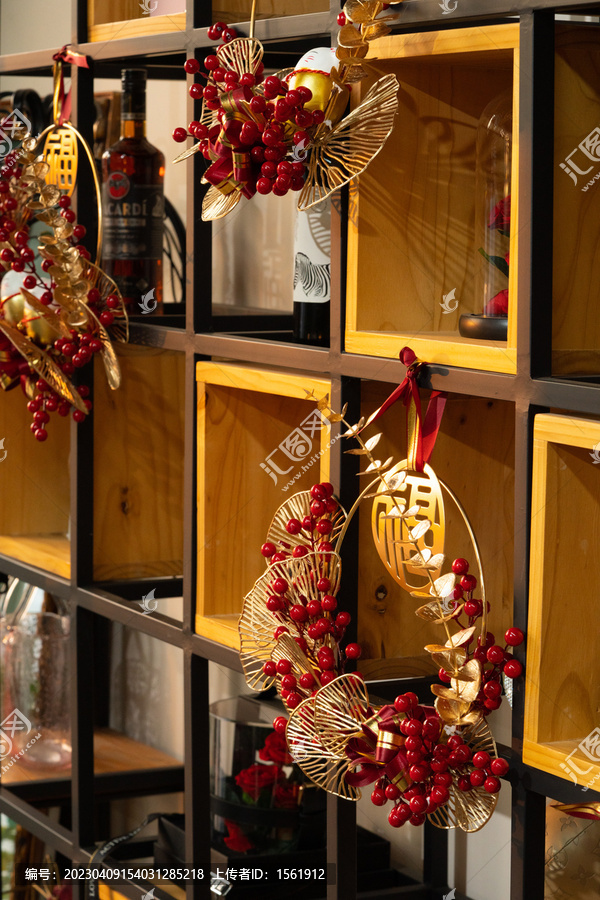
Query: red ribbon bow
422,435
231,169
381,751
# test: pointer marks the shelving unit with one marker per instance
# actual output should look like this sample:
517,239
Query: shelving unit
147,522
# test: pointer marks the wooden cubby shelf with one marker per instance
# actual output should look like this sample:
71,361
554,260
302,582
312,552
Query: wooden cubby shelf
562,692
423,182
35,489
244,475
138,482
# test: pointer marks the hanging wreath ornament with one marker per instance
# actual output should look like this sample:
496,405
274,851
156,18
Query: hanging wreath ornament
53,323
288,131
438,762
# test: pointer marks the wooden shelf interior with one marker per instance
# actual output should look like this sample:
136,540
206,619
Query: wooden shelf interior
113,752
423,182
112,19
138,473
562,701
576,268
244,414
35,488
474,455
239,10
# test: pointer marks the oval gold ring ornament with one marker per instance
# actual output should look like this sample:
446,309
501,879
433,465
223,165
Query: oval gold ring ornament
399,512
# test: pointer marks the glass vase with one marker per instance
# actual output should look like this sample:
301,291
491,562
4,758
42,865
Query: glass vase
260,803
492,221
35,729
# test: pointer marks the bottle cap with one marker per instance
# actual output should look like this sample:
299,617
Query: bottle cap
133,78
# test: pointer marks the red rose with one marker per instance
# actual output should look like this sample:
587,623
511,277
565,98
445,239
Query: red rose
500,217
498,305
276,750
253,779
286,795
236,839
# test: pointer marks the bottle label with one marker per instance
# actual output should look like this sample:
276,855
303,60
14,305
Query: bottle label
312,256
132,219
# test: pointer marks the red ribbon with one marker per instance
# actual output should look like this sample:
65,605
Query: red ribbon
75,59
231,169
422,435
378,753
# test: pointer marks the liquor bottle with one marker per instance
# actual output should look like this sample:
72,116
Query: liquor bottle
312,275
133,174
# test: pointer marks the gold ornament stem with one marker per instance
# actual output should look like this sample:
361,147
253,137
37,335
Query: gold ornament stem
252,18
56,73
477,553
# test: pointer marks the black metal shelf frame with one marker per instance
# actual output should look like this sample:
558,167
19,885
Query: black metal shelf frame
531,389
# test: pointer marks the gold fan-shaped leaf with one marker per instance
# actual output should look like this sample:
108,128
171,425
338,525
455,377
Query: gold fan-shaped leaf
257,624
340,709
44,365
324,768
341,154
471,810
215,204
241,55
297,507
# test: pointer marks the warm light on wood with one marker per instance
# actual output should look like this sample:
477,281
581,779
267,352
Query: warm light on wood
562,701
243,415
423,181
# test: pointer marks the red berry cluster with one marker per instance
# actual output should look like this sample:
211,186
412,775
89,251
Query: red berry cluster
220,31
495,660
275,136
318,632
435,762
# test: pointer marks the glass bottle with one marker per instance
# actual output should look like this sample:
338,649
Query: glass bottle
133,204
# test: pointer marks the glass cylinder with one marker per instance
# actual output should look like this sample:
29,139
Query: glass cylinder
260,802
492,221
35,727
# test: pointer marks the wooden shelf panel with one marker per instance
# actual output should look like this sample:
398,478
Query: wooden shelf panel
138,479
576,264
424,182
244,416
113,752
35,488
44,551
561,700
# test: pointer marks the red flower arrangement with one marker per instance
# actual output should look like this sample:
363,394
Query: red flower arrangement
499,221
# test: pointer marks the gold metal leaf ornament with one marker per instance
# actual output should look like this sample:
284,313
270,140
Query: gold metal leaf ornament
339,155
